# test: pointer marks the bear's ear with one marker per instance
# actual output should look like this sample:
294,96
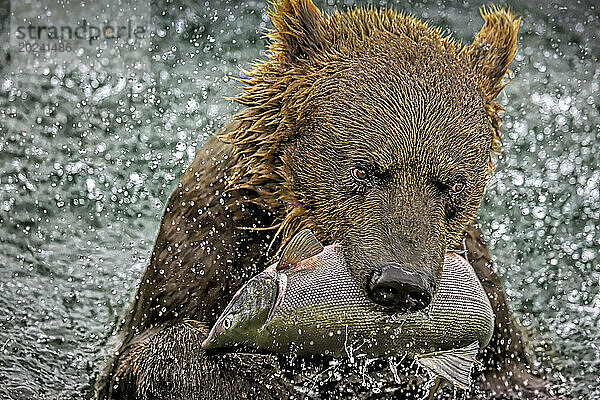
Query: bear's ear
493,49
299,30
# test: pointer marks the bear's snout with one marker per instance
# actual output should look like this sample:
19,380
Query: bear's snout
401,289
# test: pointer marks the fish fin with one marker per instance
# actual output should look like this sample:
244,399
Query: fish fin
302,246
281,289
454,365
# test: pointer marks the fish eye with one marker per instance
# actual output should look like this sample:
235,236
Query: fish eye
227,323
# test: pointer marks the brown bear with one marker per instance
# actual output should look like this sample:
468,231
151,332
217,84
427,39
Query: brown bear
370,128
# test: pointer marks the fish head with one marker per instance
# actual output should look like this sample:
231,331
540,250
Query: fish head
246,313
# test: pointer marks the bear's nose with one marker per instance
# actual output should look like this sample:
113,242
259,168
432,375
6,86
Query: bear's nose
401,289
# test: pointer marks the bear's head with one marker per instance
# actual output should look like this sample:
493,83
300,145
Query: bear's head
377,132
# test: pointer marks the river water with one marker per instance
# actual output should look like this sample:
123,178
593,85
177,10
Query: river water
91,147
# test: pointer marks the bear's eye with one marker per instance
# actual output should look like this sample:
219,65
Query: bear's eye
360,174
457,187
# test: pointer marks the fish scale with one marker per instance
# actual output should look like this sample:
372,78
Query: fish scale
326,305
309,303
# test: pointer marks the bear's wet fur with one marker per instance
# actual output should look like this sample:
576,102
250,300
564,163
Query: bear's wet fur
365,90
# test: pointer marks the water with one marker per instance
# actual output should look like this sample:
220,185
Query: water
89,155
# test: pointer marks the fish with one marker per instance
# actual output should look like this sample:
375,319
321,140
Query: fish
310,303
